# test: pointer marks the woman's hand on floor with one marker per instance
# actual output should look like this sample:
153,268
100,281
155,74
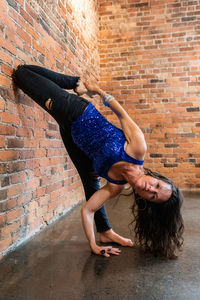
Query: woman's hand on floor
105,251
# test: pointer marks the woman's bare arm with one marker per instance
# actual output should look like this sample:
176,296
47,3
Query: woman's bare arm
134,135
88,210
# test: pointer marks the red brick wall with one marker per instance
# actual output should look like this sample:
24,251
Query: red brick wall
38,182
149,59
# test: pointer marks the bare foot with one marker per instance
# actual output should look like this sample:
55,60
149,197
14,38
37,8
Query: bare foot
110,236
80,89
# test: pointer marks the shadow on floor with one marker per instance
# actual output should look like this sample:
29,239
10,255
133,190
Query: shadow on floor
57,263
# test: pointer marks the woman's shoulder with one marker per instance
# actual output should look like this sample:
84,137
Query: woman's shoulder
136,150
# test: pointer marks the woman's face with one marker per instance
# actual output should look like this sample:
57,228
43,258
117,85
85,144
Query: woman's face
153,189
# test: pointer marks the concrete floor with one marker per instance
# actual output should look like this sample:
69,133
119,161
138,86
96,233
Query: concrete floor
57,264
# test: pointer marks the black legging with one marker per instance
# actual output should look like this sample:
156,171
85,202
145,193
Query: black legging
42,84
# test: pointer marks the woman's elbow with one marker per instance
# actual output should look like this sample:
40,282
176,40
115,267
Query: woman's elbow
141,148
144,148
85,210
114,189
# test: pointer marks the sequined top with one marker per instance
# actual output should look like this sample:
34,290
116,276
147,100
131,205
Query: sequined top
101,141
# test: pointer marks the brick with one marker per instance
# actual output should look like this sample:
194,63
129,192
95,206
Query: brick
5,81
30,11
171,145
25,154
7,46
192,109
14,214
10,229
23,132
9,155
35,224
24,99
41,211
18,178
2,104
2,220
52,126
10,106
32,163
38,133
153,155
5,181
6,93
15,143
24,35
39,192
37,47
6,70
8,204
24,198
32,206
3,168
5,243
2,141
9,118
44,200
15,190
33,184
16,167
13,4
5,57
26,16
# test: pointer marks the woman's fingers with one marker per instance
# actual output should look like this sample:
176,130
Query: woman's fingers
82,89
107,251
91,94
91,86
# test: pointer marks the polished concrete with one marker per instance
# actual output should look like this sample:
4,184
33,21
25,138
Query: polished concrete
57,263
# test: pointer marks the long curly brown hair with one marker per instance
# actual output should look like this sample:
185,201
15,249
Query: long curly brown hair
159,226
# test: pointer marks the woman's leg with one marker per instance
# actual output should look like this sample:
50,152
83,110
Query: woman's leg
65,107
40,89
89,179
64,81
91,185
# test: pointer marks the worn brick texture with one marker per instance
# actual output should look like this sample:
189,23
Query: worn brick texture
38,182
149,59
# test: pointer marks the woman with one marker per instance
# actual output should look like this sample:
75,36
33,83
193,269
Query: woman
98,147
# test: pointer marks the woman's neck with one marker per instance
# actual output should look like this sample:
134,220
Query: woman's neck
132,173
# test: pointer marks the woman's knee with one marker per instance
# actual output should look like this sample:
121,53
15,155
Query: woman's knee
18,72
48,104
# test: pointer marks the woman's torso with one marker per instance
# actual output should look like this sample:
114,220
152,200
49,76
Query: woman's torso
103,142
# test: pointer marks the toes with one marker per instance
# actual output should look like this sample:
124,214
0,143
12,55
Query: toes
130,243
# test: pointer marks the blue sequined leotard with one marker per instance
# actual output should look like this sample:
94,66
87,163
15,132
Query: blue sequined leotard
101,141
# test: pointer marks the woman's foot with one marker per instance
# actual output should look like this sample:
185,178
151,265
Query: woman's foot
85,88
110,236
80,89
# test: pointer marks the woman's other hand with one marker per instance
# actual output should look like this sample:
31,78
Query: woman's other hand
88,88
